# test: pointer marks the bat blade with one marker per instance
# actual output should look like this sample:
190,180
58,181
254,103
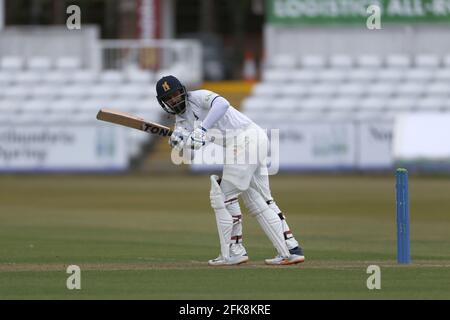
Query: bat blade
131,121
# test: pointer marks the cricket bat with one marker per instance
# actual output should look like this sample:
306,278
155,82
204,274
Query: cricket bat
131,121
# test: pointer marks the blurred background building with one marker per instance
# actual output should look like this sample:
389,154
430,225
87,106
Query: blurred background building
226,29
344,96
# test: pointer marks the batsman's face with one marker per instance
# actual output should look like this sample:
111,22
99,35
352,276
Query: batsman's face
174,99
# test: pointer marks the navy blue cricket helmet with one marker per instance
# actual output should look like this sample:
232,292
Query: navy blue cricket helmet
171,94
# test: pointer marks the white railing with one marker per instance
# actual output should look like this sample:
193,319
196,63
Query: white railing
182,58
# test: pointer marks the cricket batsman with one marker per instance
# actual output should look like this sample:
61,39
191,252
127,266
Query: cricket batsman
199,112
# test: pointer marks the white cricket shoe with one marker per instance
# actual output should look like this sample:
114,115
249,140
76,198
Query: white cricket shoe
296,256
234,260
238,255
281,261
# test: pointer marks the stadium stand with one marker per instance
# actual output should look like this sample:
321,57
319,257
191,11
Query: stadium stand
359,87
40,90
52,78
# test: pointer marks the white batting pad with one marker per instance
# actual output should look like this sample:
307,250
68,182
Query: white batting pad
224,219
268,220
291,242
273,228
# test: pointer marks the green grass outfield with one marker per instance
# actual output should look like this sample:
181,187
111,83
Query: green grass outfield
149,237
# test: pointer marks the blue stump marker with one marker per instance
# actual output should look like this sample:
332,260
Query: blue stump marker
403,246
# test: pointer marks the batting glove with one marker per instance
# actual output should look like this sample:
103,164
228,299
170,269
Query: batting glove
197,138
178,138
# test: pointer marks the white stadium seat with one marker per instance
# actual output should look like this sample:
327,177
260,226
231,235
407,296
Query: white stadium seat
56,77
344,103
352,88
6,118
283,61
331,75
381,89
315,103
103,90
148,109
254,103
11,63
401,103
124,105
303,75
275,75
145,76
39,63
92,105
8,106
373,103
393,114
44,91
6,77
294,89
70,117
390,74
68,63
15,92
361,74
182,71
442,74
149,95
64,106
364,114
313,61
266,89
84,76
132,90
341,61
29,117
446,61
75,91
286,103
344,114
62,117
369,61
410,89
111,76
426,61
431,103
446,104
323,89
438,88
421,74
398,61
36,106
129,105
301,115
28,77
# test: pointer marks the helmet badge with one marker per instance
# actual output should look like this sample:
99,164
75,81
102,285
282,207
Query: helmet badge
165,86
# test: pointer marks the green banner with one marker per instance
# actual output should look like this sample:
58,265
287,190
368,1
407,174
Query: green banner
356,11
